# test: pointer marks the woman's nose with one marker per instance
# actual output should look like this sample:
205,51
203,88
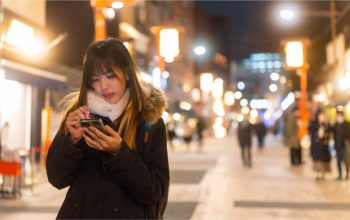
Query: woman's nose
104,82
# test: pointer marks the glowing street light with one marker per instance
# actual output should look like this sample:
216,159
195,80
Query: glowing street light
283,79
185,106
117,5
240,118
109,13
218,108
169,43
219,129
196,94
206,82
200,50
274,76
287,14
176,116
22,36
238,95
273,87
245,110
218,88
294,54
240,85
344,82
165,74
244,102
229,98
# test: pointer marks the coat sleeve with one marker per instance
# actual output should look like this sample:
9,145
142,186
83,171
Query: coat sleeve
63,160
147,179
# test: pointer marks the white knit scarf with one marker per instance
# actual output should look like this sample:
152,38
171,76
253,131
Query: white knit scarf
97,105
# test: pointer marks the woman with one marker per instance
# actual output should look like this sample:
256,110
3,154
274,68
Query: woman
320,133
123,173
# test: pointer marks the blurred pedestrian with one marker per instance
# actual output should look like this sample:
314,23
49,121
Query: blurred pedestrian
347,142
200,127
244,134
339,130
122,170
275,127
319,130
291,135
187,134
260,131
171,132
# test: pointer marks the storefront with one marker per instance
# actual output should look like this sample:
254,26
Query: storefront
22,100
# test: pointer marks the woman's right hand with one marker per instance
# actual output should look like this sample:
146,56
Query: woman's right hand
73,123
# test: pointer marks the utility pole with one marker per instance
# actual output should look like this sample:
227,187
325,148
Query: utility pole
334,35
99,19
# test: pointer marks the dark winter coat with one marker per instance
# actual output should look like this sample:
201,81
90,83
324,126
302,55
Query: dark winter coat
260,129
339,131
319,145
102,185
244,133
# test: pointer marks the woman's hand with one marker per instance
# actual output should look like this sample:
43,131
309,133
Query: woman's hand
73,123
97,139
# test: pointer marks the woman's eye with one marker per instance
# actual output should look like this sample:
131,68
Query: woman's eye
94,79
111,75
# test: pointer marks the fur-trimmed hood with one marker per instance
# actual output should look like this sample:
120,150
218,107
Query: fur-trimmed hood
155,105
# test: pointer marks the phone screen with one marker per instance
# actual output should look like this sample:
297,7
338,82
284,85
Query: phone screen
96,122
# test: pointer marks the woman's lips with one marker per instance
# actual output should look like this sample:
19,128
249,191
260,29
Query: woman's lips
108,95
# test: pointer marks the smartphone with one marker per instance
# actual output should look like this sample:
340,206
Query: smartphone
96,122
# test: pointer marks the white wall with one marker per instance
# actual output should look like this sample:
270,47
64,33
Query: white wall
15,110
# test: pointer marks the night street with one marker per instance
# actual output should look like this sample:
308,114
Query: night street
174,109
214,185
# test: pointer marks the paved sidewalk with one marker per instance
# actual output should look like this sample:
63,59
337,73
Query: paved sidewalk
213,184
271,189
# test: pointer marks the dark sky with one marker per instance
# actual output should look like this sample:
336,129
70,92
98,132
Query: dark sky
255,27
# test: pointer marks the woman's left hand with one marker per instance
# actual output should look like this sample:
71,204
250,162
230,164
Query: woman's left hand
97,139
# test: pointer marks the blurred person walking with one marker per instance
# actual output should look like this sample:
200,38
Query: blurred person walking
171,133
244,134
200,127
122,170
339,130
291,135
319,131
260,131
188,132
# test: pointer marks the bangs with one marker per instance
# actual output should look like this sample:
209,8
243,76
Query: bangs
95,65
98,66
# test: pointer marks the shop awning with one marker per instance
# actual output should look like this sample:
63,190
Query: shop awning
33,76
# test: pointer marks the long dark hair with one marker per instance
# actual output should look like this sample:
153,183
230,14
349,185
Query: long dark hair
100,57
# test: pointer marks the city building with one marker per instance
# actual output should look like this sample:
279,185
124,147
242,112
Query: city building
28,76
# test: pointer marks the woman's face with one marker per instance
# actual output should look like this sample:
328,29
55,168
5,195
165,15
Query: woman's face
110,85
321,118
